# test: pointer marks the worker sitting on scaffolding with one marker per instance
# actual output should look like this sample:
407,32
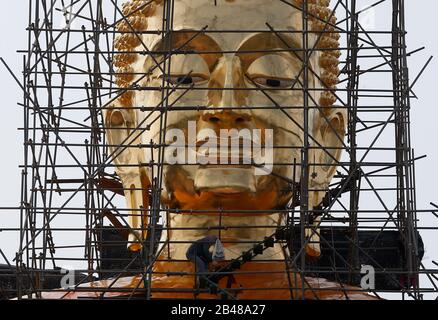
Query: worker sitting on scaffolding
199,253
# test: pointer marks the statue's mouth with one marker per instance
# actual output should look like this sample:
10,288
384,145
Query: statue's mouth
226,191
231,171
225,179
224,187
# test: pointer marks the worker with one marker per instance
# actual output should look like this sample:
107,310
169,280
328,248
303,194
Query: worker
199,253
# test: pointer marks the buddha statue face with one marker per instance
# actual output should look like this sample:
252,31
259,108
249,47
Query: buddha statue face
236,66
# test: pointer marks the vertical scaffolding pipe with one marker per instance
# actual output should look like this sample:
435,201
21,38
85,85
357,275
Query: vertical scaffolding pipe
304,192
404,161
167,30
95,134
352,101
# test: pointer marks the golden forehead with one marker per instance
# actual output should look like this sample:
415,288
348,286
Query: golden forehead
135,19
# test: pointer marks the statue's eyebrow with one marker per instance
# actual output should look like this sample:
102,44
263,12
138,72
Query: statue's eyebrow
191,42
261,44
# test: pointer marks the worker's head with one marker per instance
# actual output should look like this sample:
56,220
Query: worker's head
212,238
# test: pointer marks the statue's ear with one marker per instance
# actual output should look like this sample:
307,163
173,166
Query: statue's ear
119,122
329,131
115,118
332,133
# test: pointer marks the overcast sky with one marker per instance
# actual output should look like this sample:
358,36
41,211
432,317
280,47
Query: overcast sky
421,19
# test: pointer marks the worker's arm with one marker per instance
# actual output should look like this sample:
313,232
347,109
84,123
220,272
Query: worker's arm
206,252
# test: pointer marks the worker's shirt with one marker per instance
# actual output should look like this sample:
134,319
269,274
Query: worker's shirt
201,247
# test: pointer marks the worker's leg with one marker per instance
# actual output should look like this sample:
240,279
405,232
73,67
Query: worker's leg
201,269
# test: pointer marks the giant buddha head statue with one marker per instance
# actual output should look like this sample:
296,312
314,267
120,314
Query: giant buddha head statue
231,65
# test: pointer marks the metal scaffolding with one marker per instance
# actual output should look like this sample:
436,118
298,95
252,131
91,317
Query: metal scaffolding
72,209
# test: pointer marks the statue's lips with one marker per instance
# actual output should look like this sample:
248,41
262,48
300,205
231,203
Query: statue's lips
225,188
225,179
226,191
225,167
237,150
230,141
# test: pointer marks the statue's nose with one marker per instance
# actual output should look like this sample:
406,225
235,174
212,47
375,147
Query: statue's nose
227,119
227,106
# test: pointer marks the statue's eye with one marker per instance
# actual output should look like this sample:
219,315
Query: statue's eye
185,80
273,82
